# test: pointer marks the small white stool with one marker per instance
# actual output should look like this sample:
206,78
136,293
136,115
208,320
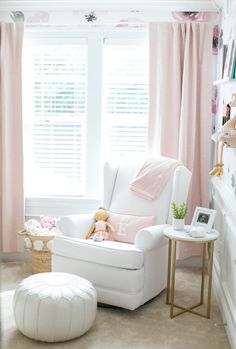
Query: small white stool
54,307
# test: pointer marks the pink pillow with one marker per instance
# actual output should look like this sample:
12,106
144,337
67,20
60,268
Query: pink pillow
127,226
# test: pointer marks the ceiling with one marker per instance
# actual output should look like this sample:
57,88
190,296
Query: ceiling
115,5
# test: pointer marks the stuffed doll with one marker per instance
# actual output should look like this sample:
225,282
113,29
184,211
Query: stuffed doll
33,227
98,231
226,136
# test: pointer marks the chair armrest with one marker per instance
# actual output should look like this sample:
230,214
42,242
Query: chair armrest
75,225
151,237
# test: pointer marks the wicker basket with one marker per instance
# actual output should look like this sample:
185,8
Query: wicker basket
41,260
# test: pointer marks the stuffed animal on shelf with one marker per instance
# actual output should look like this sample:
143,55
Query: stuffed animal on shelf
99,229
226,136
218,169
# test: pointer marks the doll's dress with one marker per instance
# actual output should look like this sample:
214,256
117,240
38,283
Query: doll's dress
100,226
101,232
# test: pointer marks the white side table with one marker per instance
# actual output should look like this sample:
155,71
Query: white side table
182,235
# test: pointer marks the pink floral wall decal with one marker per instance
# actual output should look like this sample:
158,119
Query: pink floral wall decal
130,23
39,17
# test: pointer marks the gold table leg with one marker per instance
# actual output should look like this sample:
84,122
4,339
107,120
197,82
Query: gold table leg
168,274
210,279
173,264
203,271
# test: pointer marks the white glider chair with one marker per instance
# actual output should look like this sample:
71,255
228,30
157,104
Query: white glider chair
124,274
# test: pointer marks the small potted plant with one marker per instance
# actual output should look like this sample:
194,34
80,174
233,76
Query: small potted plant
179,212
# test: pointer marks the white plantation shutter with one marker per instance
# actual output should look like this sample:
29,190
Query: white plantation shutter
126,97
55,94
66,81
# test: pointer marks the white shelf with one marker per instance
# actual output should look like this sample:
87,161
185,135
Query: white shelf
224,81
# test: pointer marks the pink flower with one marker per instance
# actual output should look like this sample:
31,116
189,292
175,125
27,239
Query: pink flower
47,222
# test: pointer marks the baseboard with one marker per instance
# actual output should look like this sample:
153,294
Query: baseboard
16,256
21,256
227,312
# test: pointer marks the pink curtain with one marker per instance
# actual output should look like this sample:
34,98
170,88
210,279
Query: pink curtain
180,103
11,148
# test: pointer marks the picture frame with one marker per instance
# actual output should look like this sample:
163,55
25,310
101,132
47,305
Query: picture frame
204,217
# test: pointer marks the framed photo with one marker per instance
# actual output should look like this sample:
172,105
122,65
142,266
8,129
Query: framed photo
204,217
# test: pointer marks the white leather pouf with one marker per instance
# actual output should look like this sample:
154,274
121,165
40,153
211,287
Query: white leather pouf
54,307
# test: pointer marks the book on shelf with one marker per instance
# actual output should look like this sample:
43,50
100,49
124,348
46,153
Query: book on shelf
229,60
232,64
221,61
233,73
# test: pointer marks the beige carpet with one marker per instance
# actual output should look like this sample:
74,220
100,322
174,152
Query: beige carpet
147,327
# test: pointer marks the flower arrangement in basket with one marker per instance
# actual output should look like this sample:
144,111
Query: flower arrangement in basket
38,238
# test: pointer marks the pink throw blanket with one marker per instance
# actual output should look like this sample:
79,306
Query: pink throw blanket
153,176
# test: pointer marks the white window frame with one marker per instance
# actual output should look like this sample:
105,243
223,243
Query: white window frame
35,206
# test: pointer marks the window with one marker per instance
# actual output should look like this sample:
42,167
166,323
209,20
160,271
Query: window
125,97
55,122
83,100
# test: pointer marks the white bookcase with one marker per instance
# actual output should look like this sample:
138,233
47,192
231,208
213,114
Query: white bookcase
224,276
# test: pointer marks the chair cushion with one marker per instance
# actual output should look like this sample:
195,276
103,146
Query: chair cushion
127,226
112,253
